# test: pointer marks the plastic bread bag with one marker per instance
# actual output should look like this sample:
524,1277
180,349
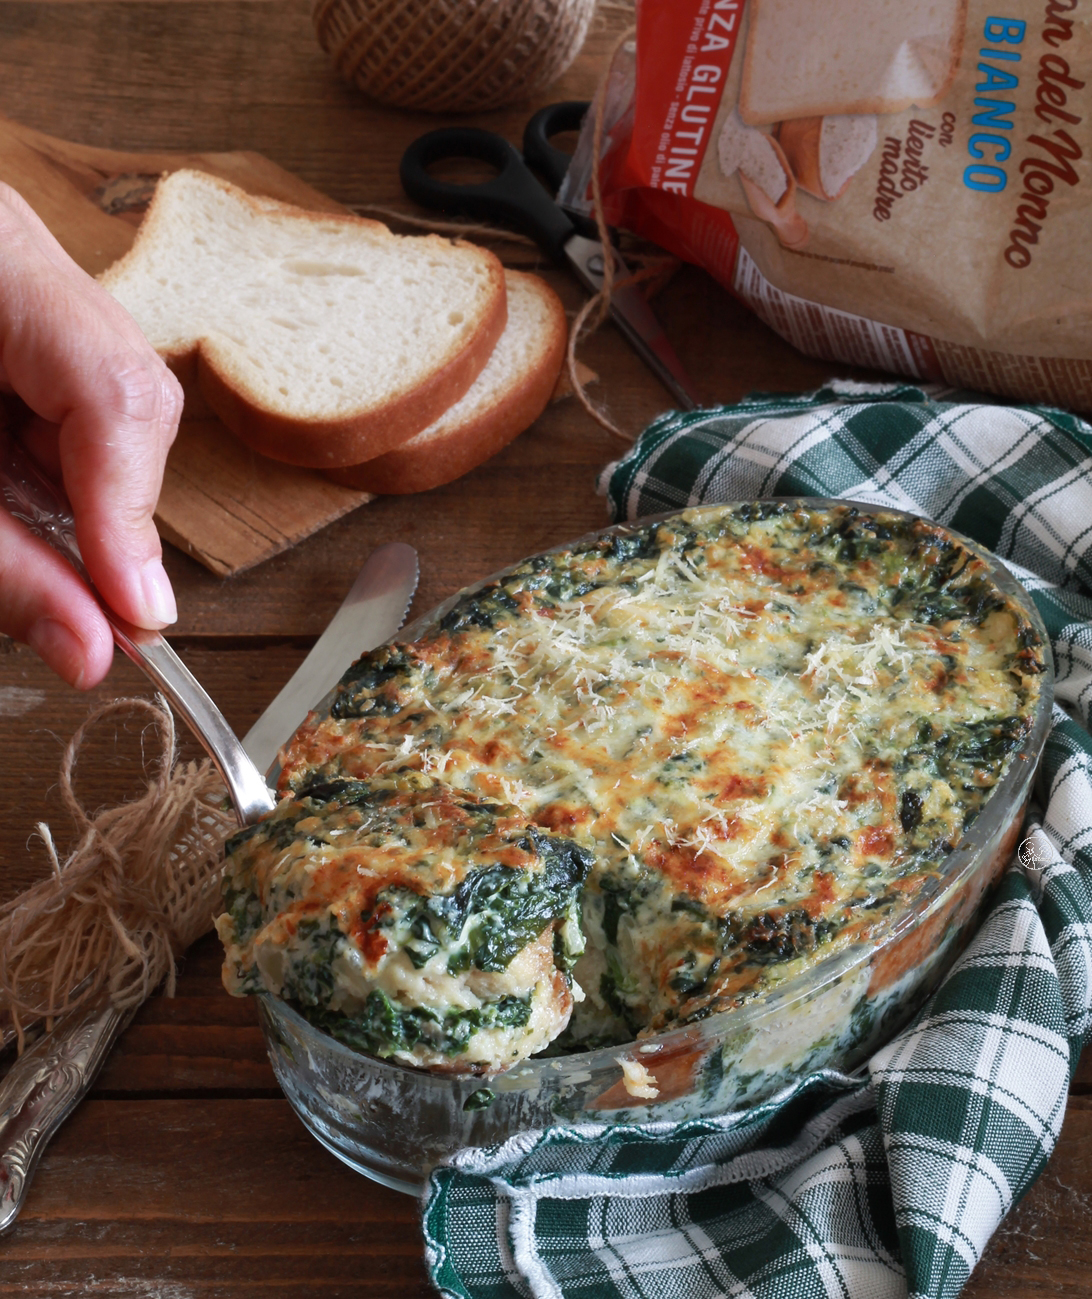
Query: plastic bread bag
901,184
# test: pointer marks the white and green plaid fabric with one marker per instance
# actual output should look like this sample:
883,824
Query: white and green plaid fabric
892,1182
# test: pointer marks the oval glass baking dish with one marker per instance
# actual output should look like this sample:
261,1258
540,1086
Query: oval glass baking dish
393,1122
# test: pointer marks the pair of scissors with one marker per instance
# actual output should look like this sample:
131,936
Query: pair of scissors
514,197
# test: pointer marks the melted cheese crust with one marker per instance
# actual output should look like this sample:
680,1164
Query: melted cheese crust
333,903
768,724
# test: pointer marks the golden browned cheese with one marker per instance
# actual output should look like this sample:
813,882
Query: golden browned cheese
408,919
766,725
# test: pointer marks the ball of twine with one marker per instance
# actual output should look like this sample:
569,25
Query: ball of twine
451,56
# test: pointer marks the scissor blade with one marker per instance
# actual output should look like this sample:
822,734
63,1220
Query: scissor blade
634,317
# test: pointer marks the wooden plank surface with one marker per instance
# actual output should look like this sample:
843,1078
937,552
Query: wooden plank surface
186,1173
230,508
126,1197
124,1194
212,1186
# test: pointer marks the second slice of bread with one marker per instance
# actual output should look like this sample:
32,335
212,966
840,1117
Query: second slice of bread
320,340
508,396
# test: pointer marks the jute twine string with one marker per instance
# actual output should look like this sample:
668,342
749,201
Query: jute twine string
597,308
139,887
650,267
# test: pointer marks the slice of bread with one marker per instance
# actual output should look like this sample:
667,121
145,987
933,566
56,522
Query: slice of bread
810,58
509,395
319,340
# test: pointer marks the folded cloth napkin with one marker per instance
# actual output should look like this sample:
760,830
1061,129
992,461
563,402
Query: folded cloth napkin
891,1182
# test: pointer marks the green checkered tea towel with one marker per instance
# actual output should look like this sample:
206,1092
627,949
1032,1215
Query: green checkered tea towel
889,1183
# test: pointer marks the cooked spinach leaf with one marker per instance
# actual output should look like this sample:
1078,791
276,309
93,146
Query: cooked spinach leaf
383,1027
495,912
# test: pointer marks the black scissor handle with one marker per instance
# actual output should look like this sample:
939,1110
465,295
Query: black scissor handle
513,197
552,163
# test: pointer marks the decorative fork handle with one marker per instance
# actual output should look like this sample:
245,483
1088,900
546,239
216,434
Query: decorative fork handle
42,1088
32,499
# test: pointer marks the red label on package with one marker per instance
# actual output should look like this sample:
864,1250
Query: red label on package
678,92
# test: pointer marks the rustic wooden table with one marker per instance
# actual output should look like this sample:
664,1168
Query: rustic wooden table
185,1172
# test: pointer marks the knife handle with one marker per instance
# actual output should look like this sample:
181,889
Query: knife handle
42,1088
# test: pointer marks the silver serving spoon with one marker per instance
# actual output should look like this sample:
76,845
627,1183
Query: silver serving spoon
47,1082
31,498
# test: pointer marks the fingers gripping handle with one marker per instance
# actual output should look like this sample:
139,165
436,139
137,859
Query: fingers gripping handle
31,498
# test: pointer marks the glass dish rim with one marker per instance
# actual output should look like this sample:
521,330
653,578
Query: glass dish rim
959,866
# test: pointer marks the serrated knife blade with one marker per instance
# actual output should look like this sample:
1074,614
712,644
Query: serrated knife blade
372,612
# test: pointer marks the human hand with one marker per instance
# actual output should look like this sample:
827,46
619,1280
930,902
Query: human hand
104,412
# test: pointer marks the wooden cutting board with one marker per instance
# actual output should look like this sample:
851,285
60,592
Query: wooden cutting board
221,502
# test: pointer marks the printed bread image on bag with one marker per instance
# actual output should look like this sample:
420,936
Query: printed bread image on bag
828,60
765,175
825,153
899,183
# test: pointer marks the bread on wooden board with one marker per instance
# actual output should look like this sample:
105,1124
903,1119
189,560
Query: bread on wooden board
508,396
318,339
811,58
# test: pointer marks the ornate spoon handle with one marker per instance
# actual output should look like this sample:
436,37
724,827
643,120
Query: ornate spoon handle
42,1088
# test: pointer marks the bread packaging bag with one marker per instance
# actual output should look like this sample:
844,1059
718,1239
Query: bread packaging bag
901,184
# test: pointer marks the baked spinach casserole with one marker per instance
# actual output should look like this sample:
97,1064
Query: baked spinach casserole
632,783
